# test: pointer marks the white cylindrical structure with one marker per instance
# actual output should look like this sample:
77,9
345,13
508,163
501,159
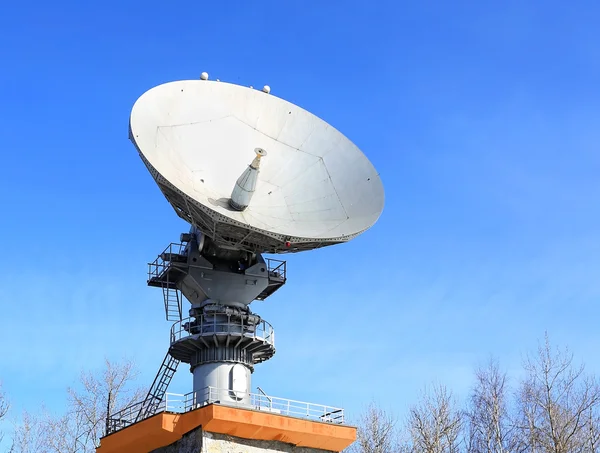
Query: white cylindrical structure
246,183
225,382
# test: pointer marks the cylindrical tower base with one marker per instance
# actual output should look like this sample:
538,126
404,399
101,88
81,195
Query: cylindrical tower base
222,344
224,382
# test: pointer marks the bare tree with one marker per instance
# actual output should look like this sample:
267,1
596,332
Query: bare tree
592,431
44,432
80,428
558,404
376,433
29,435
87,407
434,424
489,426
556,409
4,406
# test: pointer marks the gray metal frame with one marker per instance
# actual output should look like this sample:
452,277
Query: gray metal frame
222,339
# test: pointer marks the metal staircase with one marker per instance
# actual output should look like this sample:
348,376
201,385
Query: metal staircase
158,389
165,272
172,298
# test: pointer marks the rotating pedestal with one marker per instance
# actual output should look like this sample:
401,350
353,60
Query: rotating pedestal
222,339
222,344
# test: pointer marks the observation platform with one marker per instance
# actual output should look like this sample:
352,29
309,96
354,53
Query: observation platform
167,270
257,340
265,418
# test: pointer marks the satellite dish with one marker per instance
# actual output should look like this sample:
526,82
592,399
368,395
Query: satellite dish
251,173
198,139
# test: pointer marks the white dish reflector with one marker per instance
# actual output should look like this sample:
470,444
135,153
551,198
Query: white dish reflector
314,188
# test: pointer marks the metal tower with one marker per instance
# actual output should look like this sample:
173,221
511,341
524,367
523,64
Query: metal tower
222,339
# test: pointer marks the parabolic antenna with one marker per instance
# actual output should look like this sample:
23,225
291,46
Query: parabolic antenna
200,140
251,173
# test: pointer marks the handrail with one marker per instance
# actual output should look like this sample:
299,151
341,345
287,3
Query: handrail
264,393
283,406
178,403
280,269
160,264
200,326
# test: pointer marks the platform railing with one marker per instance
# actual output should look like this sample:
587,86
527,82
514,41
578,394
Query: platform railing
214,325
124,417
161,263
277,268
179,403
263,402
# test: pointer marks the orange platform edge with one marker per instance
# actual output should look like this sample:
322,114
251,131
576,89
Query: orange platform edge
165,428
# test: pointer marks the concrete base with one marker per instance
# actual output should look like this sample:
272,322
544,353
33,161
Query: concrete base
198,441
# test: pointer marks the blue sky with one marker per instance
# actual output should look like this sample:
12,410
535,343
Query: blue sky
481,117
